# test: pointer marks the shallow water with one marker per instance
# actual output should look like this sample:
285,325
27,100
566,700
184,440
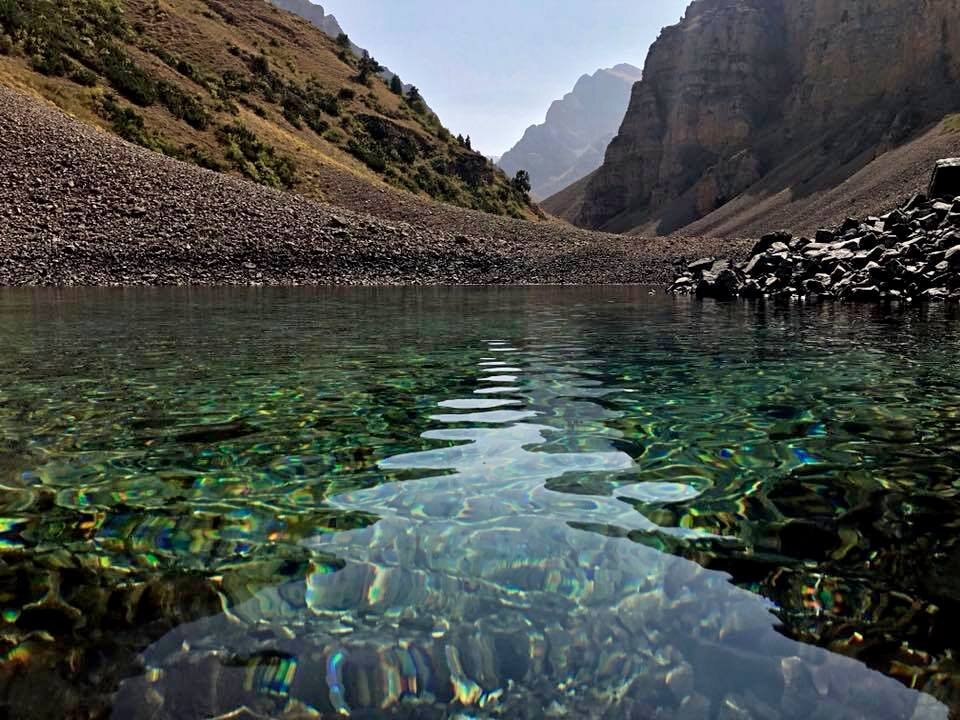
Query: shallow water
475,503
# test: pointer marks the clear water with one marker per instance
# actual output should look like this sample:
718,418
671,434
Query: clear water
516,503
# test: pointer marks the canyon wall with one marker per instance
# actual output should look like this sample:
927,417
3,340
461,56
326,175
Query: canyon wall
772,96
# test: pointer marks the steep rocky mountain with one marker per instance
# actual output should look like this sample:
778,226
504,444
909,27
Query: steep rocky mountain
768,103
572,141
244,88
328,23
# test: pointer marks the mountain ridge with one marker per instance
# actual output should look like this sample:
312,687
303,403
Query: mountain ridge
243,88
571,140
316,15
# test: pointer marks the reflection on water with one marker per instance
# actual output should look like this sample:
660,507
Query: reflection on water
480,504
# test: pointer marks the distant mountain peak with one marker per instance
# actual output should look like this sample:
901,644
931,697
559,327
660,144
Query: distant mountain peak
571,142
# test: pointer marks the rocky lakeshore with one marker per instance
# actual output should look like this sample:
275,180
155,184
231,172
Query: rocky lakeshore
909,254
80,207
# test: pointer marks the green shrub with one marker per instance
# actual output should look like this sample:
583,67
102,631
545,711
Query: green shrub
128,78
257,110
184,107
326,103
232,82
52,32
260,65
347,93
6,44
200,157
371,156
125,122
82,76
51,61
229,107
317,125
256,159
188,70
292,117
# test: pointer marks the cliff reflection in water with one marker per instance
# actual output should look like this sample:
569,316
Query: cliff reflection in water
513,575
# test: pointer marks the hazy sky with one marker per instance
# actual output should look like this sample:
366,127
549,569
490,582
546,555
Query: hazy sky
490,68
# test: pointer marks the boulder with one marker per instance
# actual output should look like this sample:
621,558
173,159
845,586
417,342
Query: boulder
722,285
945,180
864,293
698,266
952,256
914,202
770,239
848,225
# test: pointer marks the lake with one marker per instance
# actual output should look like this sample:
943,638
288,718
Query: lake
465,503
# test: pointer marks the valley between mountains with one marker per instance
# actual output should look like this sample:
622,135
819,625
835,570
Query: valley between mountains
273,149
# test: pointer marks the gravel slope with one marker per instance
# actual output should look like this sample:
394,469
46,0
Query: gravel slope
80,207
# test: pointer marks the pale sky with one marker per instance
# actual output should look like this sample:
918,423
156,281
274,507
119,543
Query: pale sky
490,68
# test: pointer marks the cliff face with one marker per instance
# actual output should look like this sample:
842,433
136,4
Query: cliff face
571,142
784,95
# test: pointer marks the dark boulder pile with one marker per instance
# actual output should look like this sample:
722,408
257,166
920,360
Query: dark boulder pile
911,253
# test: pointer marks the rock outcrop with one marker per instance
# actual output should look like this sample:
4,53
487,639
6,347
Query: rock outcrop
572,141
911,254
783,95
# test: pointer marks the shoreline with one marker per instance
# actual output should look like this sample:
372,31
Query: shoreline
79,207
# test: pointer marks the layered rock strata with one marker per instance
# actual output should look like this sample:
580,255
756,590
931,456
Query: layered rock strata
777,95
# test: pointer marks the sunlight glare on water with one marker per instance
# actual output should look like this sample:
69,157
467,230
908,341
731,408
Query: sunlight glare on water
475,503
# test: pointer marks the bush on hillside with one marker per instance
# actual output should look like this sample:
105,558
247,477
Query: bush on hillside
415,100
521,184
184,107
126,122
256,159
51,30
128,78
200,157
82,76
50,61
366,67
370,155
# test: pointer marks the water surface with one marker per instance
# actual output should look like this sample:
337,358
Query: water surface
475,503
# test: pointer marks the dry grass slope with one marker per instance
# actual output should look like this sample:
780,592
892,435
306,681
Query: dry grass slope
245,88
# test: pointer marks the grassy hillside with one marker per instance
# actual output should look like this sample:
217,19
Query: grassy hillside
241,87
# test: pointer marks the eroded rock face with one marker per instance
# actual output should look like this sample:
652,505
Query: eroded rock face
744,90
